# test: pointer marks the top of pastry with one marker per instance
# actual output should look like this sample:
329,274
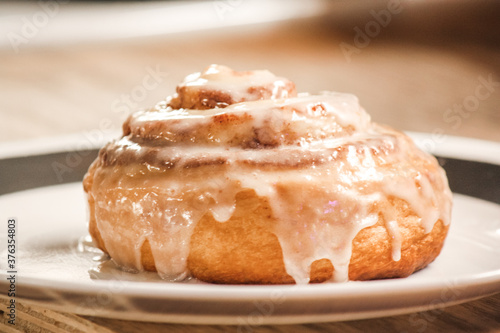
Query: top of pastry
219,86
251,109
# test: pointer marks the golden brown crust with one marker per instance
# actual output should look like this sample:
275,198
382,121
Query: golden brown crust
202,99
87,187
372,250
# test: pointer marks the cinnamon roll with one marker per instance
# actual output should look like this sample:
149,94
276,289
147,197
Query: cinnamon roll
238,179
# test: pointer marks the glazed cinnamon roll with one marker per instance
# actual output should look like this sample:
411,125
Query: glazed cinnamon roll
237,179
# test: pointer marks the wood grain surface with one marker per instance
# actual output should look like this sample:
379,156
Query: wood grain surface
477,316
435,67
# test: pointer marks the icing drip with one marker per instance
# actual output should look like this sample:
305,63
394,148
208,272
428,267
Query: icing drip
349,187
393,229
326,170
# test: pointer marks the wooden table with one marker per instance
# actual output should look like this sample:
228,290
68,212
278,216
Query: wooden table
476,316
412,74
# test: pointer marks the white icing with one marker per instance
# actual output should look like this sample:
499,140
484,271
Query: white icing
376,166
310,119
222,78
334,232
393,229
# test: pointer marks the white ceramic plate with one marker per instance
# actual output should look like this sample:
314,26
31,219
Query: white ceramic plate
54,269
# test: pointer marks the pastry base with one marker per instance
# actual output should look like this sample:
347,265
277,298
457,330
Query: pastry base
244,249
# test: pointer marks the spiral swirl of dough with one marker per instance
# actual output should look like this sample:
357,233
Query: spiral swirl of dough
237,179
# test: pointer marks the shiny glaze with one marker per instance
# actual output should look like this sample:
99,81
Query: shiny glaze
180,164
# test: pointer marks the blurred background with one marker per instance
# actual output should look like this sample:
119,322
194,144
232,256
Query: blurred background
77,67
